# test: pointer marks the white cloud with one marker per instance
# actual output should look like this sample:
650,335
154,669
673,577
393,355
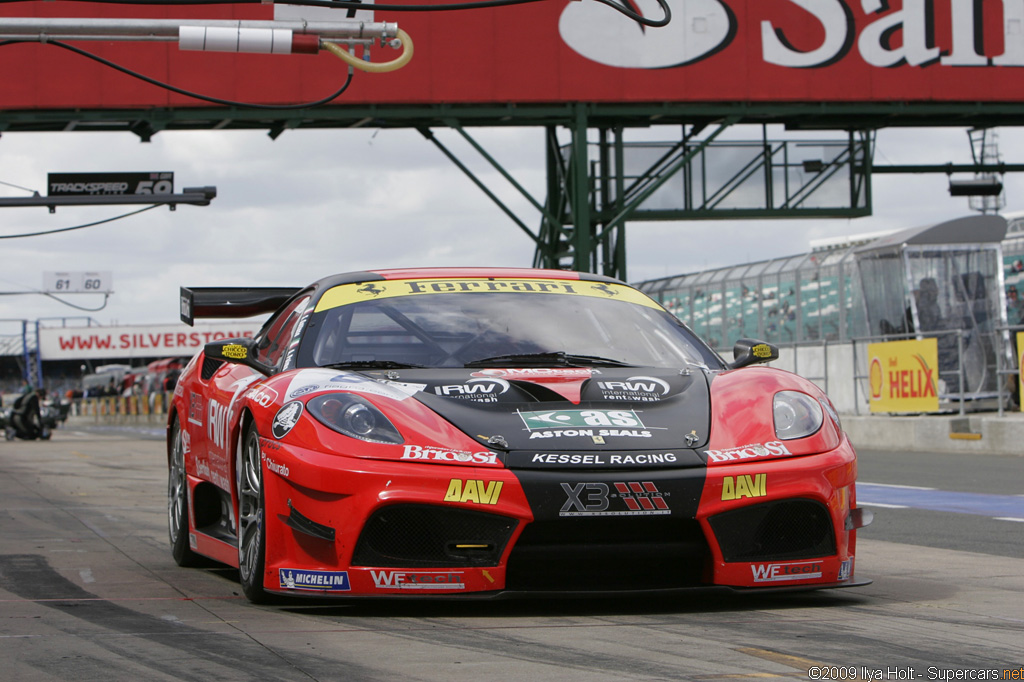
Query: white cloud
314,203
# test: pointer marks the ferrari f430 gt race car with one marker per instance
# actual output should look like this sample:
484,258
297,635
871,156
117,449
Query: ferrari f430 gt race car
495,432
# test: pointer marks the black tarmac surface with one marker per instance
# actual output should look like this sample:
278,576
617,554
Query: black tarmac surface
88,591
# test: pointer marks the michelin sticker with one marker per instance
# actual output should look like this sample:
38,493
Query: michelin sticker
318,581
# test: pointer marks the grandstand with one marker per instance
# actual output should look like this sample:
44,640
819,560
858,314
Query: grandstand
865,288
797,299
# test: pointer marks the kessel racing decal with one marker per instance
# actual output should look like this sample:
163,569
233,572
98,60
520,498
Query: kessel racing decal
286,418
603,460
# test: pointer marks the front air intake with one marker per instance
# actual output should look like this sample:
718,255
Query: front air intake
423,535
775,531
608,554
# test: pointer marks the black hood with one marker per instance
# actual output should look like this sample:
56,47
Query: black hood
559,417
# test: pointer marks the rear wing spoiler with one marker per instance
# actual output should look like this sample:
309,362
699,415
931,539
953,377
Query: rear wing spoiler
226,302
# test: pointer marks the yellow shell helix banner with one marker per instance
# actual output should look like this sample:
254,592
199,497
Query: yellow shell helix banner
904,376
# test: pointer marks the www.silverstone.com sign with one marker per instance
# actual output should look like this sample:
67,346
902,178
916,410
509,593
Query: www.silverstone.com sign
89,343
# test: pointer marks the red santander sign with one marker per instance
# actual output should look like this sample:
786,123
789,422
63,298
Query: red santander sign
573,50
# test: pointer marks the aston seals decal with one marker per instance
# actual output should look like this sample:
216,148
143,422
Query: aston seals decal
577,423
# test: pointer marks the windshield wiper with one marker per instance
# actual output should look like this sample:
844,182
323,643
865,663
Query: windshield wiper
560,358
373,364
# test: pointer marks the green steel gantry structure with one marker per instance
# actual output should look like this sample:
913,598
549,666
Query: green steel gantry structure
598,180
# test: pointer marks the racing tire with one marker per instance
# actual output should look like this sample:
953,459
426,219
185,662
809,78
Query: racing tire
252,534
178,503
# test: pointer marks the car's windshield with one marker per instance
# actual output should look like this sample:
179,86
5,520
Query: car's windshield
499,329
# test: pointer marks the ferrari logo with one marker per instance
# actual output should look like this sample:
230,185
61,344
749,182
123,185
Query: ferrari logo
370,289
605,289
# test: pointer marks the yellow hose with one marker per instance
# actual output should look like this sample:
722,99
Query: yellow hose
374,67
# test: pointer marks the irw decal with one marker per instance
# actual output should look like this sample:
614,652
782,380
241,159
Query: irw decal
216,424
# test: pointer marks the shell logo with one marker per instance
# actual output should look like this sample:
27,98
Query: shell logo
699,29
876,378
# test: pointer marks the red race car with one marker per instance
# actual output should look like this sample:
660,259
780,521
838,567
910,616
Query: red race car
486,432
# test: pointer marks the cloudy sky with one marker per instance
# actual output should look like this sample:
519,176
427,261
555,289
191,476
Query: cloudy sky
314,203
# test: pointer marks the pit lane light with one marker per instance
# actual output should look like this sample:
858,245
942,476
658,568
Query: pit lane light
250,36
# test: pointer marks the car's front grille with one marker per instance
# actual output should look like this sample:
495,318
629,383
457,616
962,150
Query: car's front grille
422,535
608,553
775,531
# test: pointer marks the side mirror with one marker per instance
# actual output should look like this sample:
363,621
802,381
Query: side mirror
751,352
238,351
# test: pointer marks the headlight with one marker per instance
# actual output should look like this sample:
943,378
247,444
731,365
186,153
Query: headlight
796,415
831,409
353,416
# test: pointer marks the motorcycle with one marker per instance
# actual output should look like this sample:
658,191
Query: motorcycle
27,419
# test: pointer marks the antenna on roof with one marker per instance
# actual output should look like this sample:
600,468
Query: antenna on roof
985,192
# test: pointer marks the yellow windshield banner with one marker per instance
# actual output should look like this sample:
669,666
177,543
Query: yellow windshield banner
346,294
904,376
